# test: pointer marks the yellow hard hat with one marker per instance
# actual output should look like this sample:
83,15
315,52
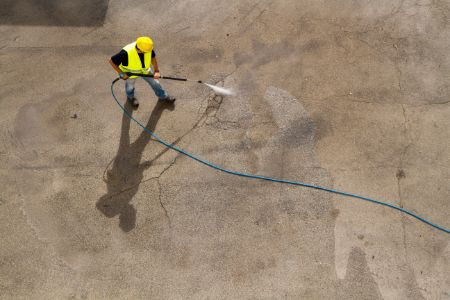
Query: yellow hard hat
144,43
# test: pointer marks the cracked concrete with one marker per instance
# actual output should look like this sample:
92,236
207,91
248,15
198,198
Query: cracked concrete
350,95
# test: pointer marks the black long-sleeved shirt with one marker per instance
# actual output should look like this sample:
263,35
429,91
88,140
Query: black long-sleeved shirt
122,58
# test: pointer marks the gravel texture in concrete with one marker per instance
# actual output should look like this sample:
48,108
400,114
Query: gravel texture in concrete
352,95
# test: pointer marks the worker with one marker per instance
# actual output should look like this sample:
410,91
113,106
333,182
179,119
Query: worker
139,57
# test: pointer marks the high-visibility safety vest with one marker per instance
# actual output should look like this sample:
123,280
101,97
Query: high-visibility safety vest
134,62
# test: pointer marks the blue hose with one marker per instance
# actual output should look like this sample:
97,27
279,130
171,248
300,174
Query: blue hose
200,160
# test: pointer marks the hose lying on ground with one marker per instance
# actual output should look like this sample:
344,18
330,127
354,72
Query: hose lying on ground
200,160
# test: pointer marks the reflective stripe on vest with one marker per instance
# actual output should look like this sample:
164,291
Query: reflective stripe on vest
134,62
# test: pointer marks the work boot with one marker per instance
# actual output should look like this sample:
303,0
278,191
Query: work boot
168,99
133,101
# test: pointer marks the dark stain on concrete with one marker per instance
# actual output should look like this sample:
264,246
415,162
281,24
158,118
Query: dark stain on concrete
39,126
266,53
312,45
400,174
358,282
205,54
323,127
335,213
300,132
53,12
36,128
31,124
263,54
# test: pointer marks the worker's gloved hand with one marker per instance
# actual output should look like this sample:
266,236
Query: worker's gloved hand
123,76
157,75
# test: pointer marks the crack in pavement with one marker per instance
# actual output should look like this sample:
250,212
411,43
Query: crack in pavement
197,124
399,71
160,187
144,180
157,178
162,204
400,175
214,103
221,124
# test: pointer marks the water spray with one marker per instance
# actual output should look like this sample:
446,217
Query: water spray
217,89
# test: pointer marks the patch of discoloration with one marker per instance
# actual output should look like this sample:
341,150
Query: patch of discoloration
53,12
358,282
34,128
349,63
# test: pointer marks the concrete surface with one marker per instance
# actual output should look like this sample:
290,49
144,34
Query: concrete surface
347,94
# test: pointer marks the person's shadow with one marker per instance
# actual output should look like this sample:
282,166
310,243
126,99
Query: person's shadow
127,171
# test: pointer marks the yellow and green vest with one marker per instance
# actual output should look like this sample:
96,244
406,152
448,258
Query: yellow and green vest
134,62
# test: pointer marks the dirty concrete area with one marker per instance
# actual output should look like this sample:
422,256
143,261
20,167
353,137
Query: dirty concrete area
352,95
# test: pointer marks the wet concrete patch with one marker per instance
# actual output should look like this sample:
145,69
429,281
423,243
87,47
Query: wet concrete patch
53,12
358,282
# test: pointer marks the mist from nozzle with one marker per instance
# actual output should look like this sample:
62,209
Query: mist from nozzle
220,90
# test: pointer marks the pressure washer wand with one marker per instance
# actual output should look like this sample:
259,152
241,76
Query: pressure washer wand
163,77
217,89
